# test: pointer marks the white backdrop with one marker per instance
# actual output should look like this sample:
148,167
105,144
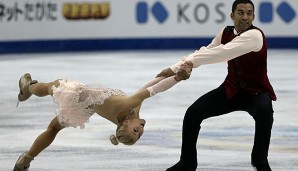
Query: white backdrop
44,20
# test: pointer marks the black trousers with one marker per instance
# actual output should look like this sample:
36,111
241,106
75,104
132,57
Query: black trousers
215,103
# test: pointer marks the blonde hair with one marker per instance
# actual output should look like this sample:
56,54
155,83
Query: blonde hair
122,136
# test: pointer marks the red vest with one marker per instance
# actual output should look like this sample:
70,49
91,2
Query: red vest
247,72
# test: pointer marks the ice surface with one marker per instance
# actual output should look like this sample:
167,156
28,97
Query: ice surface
224,143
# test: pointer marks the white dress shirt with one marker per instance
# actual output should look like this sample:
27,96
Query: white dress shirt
215,52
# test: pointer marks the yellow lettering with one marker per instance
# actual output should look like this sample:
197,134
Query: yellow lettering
74,11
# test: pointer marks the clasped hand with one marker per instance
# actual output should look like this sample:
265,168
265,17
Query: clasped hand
183,72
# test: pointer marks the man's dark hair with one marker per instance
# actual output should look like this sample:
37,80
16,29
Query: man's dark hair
236,2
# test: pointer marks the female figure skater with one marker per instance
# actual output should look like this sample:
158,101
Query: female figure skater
76,103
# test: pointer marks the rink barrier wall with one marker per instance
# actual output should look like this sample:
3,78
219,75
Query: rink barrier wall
51,46
36,26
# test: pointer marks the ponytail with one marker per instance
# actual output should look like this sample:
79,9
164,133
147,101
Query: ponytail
114,140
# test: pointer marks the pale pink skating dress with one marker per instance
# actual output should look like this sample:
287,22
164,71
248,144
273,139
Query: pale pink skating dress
73,100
